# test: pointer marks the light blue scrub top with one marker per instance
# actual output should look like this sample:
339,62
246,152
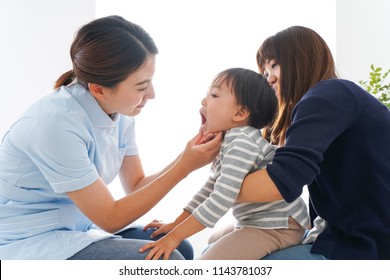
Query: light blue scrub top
64,142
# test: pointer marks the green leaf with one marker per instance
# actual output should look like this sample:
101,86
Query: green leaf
377,84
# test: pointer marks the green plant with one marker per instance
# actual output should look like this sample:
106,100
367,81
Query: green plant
377,85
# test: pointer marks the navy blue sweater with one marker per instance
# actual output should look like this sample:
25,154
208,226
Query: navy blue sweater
339,145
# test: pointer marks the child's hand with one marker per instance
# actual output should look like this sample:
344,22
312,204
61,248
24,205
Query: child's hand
161,248
161,227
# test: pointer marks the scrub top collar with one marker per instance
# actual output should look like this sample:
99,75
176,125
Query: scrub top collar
95,112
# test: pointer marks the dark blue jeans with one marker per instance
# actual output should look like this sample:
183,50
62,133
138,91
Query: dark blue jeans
127,247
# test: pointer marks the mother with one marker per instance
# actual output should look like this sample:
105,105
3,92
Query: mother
334,137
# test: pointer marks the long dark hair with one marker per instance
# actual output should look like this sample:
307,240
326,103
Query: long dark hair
106,51
304,59
253,92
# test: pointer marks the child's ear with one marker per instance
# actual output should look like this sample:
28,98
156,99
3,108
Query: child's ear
241,115
96,90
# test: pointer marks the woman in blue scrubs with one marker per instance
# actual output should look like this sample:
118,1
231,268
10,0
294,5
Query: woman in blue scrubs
58,158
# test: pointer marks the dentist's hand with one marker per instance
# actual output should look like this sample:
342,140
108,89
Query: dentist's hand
162,228
199,152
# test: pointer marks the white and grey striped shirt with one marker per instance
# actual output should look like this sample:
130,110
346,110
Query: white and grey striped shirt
243,151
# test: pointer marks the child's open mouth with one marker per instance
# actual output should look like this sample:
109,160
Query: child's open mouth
204,120
208,136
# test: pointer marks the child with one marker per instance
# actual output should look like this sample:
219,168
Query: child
239,102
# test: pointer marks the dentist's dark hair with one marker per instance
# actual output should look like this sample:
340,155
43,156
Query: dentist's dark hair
106,51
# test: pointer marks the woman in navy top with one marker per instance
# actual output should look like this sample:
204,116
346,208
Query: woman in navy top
58,158
333,137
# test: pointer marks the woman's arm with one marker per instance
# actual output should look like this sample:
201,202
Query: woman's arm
97,203
132,176
131,173
259,187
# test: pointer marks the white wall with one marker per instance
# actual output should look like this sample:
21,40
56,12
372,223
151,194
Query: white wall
363,37
34,49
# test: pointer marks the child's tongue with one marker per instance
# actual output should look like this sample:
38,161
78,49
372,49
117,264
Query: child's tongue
203,121
205,138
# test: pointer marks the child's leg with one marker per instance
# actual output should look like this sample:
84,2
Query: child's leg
218,233
252,243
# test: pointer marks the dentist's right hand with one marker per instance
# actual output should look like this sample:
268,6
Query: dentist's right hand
199,152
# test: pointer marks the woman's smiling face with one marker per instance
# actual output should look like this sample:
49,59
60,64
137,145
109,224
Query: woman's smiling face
131,95
272,74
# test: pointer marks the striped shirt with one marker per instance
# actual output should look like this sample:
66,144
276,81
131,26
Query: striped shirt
243,151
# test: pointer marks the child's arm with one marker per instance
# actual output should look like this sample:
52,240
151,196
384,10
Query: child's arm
166,227
198,199
167,244
185,218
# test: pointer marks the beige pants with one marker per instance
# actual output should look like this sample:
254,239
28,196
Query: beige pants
249,243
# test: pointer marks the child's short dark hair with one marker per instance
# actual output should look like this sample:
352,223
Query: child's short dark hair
253,92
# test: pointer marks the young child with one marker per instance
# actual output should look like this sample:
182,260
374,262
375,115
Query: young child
239,102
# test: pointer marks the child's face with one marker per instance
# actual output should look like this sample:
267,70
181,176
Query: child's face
219,110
